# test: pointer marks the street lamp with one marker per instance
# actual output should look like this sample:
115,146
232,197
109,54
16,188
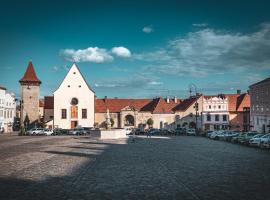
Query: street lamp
196,105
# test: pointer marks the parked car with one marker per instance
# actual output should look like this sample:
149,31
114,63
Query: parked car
246,137
180,131
228,137
208,133
265,141
154,131
215,135
35,131
76,131
47,131
128,130
191,131
256,140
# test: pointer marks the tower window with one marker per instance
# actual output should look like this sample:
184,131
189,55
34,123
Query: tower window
74,72
64,113
80,86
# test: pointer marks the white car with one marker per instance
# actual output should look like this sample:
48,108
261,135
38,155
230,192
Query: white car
35,131
265,141
128,130
47,132
216,134
256,140
191,131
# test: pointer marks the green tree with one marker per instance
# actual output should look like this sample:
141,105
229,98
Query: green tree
150,122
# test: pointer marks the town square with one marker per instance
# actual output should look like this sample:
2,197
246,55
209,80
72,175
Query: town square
135,100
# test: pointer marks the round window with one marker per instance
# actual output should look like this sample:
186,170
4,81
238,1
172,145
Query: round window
74,101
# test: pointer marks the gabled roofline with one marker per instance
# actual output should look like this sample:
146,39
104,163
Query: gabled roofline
80,74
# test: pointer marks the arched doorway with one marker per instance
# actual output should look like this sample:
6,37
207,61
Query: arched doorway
129,120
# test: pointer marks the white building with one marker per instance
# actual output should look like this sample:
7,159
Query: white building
215,112
7,110
74,102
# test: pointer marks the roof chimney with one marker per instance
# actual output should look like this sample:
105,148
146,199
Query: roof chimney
167,99
238,91
175,99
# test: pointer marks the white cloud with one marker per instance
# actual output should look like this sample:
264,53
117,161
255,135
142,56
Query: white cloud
148,29
121,51
155,83
91,54
209,51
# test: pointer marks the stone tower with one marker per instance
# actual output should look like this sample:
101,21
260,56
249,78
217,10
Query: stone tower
29,96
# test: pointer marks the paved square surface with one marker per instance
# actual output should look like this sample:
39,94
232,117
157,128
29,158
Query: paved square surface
66,167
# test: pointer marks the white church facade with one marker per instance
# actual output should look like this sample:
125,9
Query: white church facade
74,102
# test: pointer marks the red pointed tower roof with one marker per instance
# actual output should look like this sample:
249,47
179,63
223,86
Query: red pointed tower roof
30,75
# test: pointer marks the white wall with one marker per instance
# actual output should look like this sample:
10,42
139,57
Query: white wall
72,86
7,110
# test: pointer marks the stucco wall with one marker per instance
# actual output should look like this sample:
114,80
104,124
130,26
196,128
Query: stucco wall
30,97
73,86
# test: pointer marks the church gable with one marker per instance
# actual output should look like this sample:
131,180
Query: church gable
74,80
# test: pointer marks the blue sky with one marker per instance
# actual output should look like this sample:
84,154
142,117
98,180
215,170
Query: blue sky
137,49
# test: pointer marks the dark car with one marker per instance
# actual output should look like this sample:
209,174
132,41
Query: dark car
180,131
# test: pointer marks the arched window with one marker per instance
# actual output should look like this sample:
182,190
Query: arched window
74,101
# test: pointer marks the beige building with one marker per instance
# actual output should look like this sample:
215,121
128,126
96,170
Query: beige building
260,106
30,97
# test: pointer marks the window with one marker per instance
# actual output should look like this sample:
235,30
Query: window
216,118
74,101
208,117
74,112
224,118
64,113
219,106
84,113
209,106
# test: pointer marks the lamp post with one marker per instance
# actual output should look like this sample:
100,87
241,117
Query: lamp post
196,105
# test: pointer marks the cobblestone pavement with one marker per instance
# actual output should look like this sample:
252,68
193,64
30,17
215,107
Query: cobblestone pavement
66,167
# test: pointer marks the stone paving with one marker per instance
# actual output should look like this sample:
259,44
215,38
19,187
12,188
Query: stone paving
67,167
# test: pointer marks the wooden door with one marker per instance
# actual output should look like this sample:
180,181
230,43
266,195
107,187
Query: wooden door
73,124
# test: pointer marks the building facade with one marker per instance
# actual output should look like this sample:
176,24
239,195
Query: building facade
239,111
260,106
7,110
74,102
30,85
215,114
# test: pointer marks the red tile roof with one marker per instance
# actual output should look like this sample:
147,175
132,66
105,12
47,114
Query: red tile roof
48,102
30,75
236,102
157,105
185,104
